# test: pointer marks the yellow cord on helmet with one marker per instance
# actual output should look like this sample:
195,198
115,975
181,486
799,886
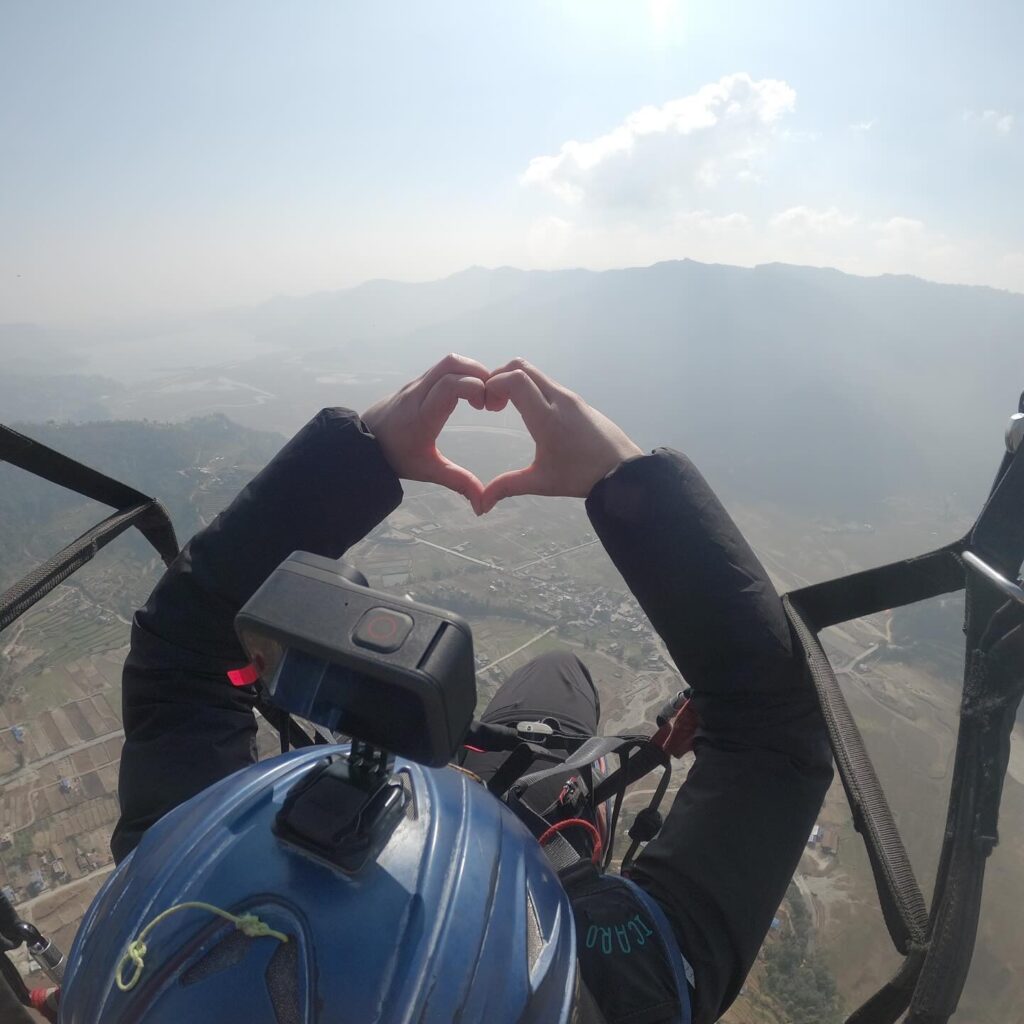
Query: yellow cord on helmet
247,924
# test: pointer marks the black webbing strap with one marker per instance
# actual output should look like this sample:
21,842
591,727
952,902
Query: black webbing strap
12,936
998,535
887,586
133,509
638,757
645,759
292,735
992,692
893,998
903,906
559,851
587,753
41,461
43,578
993,688
491,737
17,996
648,816
521,757
938,947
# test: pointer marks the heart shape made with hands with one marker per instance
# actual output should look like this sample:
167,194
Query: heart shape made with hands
575,445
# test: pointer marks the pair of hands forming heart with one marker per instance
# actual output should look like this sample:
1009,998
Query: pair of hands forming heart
576,445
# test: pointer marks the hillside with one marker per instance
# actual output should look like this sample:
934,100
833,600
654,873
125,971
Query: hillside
847,421
166,461
801,385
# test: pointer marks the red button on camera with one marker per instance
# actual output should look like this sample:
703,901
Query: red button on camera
383,630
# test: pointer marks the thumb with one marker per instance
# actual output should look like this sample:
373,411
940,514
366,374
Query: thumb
516,481
457,479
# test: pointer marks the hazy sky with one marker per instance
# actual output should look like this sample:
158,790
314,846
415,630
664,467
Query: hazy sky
166,157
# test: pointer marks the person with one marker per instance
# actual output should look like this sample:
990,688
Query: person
718,868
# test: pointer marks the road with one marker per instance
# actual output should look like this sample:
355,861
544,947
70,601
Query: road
50,785
860,657
555,554
59,756
814,909
521,647
62,889
459,554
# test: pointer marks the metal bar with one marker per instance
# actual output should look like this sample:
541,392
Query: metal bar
1014,591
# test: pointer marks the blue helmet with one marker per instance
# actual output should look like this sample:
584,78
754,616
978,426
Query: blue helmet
458,917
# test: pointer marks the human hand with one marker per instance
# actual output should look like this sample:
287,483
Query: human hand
406,424
576,445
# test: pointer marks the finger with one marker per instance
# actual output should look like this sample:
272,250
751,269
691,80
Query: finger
456,478
547,387
516,481
451,364
442,398
518,386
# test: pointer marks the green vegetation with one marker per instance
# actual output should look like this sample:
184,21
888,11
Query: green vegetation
468,604
799,980
42,396
22,844
159,459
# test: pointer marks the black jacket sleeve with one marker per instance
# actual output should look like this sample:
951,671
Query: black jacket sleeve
733,838
709,598
185,725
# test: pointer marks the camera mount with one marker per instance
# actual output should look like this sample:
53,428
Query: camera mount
395,675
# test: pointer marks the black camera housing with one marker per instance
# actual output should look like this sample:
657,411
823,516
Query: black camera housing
393,673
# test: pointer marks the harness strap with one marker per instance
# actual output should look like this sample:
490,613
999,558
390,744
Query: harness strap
998,535
513,766
594,748
646,759
881,588
903,906
993,689
938,947
133,509
44,462
648,821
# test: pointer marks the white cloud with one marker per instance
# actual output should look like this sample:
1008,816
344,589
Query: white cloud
999,122
689,144
804,218
703,176
1003,123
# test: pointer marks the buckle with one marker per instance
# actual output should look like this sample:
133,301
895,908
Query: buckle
535,732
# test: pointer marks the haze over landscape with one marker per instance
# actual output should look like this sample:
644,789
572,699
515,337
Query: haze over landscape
787,242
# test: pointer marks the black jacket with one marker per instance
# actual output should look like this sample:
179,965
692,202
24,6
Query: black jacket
729,846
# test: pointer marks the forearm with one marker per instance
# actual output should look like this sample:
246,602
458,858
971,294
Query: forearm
734,835
710,599
691,570
185,725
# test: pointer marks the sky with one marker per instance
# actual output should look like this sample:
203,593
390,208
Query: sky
166,158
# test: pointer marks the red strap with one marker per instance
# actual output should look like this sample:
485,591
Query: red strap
245,676
581,823
45,1001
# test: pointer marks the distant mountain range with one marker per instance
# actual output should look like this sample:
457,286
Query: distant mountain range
789,383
